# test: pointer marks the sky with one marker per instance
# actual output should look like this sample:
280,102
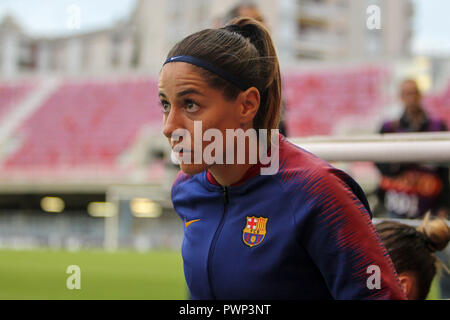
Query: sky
432,26
50,17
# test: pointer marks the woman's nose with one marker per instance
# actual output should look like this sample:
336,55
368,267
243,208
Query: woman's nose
171,122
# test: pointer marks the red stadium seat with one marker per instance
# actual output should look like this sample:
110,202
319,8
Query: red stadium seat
11,95
91,123
87,124
317,102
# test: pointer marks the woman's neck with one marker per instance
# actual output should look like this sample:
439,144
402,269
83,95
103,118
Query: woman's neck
226,175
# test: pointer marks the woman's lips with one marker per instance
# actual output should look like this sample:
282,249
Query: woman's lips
180,153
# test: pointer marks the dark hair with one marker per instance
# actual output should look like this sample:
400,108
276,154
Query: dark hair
412,249
245,49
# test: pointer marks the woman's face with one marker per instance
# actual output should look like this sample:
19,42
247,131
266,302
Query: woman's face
186,97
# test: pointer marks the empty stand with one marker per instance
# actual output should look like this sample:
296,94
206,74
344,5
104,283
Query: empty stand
91,123
11,95
316,102
85,124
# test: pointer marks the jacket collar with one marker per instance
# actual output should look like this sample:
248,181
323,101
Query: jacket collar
252,172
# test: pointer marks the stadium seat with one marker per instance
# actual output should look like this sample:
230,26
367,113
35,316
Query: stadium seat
317,102
11,95
86,123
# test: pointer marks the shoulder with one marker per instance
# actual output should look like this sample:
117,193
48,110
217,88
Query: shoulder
298,165
185,188
314,180
181,176
180,179
296,161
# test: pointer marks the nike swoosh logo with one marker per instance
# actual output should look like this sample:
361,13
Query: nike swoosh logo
188,223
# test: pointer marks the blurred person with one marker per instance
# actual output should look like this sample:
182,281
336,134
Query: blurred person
244,9
250,10
412,251
409,190
302,232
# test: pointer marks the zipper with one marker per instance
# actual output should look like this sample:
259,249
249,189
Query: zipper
225,195
214,240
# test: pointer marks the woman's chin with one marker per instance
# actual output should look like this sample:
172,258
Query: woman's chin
192,169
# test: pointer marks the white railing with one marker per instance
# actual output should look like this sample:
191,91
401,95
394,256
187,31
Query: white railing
427,147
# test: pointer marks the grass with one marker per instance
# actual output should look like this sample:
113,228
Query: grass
41,274
434,293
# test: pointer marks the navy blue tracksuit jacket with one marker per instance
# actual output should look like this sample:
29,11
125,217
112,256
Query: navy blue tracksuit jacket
303,233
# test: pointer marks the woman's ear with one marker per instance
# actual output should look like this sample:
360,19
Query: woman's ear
249,101
407,283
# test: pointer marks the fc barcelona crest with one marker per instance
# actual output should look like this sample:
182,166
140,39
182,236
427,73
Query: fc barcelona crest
254,231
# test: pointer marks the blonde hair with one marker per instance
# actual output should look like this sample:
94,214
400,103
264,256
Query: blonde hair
412,249
437,231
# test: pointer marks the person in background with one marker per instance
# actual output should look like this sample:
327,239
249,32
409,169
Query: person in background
244,9
250,10
409,190
412,251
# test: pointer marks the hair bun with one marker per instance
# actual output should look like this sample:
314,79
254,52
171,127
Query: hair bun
253,30
436,231
246,27
250,30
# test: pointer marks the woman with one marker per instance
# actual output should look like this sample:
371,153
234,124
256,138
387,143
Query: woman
302,232
412,251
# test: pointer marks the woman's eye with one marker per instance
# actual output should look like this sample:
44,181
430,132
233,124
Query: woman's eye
165,106
191,106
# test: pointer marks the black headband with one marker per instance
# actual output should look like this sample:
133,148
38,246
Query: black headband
212,68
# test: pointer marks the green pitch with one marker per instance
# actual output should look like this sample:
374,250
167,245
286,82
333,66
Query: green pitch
41,274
